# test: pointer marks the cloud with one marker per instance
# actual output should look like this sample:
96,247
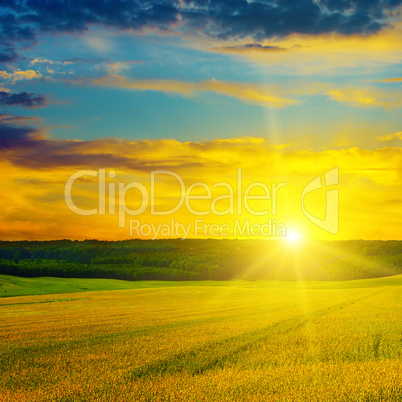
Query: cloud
390,137
319,52
250,48
116,66
262,95
31,148
8,119
8,55
22,21
250,93
13,137
24,99
99,44
48,61
32,202
19,75
85,60
108,65
396,79
366,97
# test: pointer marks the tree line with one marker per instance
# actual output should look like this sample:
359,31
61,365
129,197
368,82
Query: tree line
202,259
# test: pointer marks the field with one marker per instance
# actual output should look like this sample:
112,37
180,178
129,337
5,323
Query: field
226,340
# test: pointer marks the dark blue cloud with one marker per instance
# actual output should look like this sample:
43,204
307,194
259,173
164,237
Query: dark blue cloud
30,149
8,55
263,19
258,46
24,99
15,136
252,47
22,20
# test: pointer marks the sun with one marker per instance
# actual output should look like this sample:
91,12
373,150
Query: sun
293,237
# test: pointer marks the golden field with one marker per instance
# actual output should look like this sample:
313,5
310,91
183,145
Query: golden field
238,340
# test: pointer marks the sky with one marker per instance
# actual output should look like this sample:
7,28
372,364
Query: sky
276,93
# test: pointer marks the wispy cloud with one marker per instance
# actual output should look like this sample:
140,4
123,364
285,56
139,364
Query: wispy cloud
115,67
48,61
395,79
366,97
20,75
250,93
249,48
311,53
24,99
390,137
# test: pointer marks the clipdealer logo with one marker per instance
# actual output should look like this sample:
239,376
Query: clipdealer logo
331,221
237,199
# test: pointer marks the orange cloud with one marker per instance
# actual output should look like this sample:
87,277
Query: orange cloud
263,95
366,97
19,75
250,93
320,53
48,61
395,79
391,137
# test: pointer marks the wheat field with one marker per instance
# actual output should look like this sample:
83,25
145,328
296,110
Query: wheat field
200,341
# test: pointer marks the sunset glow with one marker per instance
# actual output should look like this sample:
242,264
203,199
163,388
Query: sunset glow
294,237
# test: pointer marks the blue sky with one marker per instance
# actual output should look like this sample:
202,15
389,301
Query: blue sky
80,110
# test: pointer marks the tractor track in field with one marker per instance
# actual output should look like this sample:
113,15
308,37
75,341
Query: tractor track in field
215,354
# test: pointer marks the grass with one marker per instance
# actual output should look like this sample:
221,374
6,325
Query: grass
11,286
234,340
18,286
